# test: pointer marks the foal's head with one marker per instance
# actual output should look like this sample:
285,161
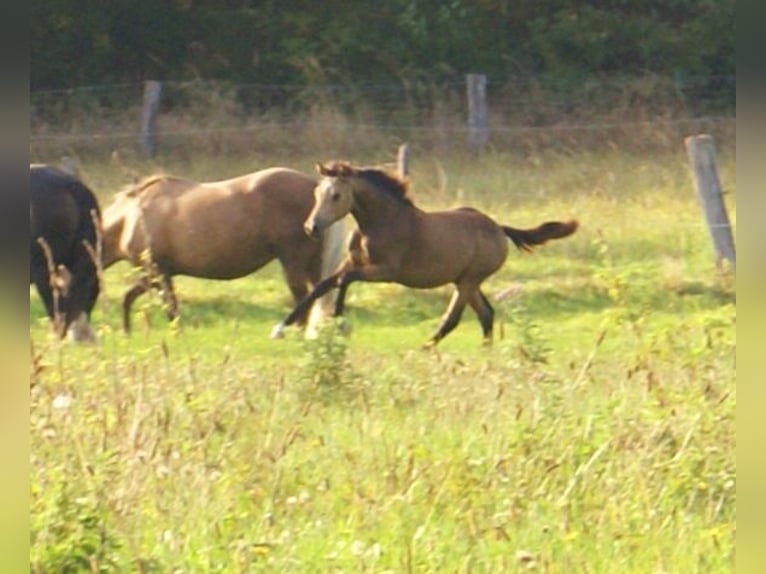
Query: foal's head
334,197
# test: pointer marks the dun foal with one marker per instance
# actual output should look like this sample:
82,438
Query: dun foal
397,242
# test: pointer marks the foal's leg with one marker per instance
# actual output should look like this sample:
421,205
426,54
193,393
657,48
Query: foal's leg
357,259
341,278
340,300
302,308
298,283
368,274
484,312
453,314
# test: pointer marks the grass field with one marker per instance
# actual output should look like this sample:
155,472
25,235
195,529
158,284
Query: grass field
597,433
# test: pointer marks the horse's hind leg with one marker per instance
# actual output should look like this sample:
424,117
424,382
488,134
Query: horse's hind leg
484,312
452,316
164,286
141,287
168,293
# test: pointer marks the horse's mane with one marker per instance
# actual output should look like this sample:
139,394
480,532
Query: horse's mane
136,189
393,185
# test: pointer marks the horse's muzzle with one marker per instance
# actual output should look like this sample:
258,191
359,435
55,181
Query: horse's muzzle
311,229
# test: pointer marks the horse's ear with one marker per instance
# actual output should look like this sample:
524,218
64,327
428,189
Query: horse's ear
321,169
344,169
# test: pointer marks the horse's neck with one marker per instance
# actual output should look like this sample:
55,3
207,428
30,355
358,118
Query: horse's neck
373,209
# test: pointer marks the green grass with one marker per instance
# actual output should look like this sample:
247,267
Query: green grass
595,435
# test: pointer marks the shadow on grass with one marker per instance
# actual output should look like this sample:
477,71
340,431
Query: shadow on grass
206,312
715,293
389,305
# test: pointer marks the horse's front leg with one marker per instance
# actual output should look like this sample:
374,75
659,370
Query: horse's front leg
320,289
341,279
359,259
368,273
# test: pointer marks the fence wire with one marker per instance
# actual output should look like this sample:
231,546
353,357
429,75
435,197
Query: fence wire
646,111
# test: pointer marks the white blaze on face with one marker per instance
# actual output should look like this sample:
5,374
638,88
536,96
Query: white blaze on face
315,223
323,200
333,200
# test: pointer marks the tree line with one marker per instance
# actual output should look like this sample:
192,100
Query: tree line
77,42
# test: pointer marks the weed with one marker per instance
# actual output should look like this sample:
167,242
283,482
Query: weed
325,371
533,346
72,534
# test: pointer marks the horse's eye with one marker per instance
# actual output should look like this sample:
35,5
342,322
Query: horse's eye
335,196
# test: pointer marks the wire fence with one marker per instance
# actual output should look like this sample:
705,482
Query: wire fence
652,110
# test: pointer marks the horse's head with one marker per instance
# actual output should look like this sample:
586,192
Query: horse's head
333,197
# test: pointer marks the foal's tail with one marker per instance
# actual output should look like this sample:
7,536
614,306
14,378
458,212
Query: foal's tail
526,239
333,250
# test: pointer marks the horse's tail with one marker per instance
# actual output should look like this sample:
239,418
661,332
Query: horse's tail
333,248
111,232
526,239
89,225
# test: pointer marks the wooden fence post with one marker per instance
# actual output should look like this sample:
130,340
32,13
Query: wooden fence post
152,95
478,122
403,160
701,152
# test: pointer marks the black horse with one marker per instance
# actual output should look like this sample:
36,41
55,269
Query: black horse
64,224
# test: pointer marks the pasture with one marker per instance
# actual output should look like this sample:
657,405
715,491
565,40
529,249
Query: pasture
597,433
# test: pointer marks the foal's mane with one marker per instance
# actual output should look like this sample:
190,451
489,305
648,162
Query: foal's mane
392,185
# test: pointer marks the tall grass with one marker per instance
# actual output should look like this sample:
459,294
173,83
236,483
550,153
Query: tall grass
595,435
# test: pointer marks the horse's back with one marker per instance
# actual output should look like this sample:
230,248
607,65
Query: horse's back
275,200
445,246
170,191
46,180
218,229
281,183
61,209
52,211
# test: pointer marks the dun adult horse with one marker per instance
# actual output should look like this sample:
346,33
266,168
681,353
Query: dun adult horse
397,242
63,221
219,230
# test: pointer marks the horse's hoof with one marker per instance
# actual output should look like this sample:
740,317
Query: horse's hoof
82,336
278,332
344,327
311,334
